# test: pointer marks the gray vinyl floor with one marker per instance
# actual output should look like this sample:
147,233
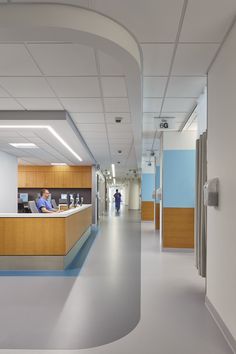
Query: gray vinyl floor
101,308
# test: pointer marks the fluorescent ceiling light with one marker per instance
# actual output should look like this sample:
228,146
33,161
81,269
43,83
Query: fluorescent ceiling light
113,170
24,145
50,129
59,164
114,181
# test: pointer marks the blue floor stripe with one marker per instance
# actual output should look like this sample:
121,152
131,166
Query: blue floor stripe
72,270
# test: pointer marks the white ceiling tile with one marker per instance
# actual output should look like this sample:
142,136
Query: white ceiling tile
83,105
6,133
154,86
40,103
120,139
92,136
15,60
3,93
119,128
7,104
114,87
88,128
26,86
178,104
88,118
207,20
75,86
179,117
186,86
84,3
109,65
193,59
116,104
110,118
64,59
149,20
152,104
157,58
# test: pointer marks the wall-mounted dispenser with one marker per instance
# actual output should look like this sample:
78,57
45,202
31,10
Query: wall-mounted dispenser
211,192
159,194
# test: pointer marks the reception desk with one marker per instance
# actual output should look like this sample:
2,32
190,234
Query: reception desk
43,241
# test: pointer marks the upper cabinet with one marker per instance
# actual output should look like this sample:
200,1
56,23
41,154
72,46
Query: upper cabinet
55,177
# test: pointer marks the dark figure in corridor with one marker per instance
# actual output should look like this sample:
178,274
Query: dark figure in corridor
117,197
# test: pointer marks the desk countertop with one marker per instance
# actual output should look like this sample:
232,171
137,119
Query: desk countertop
63,214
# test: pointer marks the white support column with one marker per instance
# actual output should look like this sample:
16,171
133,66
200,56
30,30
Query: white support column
8,183
134,192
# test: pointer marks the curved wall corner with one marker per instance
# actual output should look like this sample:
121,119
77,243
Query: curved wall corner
65,23
62,23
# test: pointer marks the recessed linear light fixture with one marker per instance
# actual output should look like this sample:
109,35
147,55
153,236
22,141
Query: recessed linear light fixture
24,145
50,129
113,170
59,164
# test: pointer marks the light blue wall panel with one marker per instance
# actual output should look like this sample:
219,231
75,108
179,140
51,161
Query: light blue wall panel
148,185
179,178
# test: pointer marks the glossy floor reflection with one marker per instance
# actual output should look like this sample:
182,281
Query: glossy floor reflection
99,306
174,318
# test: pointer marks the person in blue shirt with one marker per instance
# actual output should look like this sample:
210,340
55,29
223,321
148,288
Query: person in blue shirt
117,197
43,204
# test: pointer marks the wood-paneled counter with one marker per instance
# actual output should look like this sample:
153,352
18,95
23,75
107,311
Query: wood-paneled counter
43,234
54,176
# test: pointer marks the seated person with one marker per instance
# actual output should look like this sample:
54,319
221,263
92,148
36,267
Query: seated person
43,204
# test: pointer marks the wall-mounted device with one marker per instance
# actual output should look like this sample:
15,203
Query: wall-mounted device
211,192
159,194
118,119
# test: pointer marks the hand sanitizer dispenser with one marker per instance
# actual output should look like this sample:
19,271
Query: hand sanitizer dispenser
211,192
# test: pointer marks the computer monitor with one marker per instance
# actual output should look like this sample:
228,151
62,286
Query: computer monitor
64,196
24,197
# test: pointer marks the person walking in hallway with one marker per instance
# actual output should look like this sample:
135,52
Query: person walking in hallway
117,197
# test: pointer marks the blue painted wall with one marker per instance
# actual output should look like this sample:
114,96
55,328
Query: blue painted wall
179,178
148,185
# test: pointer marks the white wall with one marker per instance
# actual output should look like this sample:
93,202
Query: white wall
8,183
179,140
134,192
201,111
221,237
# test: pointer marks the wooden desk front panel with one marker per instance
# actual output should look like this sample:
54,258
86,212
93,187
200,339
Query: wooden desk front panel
76,225
32,236
42,236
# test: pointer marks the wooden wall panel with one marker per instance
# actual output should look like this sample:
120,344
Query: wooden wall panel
55,176
157,221
178,227
147,211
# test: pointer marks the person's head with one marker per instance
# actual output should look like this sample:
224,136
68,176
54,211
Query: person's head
45,193
116,190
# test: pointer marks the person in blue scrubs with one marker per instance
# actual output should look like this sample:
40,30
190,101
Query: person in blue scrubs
117,197
43,204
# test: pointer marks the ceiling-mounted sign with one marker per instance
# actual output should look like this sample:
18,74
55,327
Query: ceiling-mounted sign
165,123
